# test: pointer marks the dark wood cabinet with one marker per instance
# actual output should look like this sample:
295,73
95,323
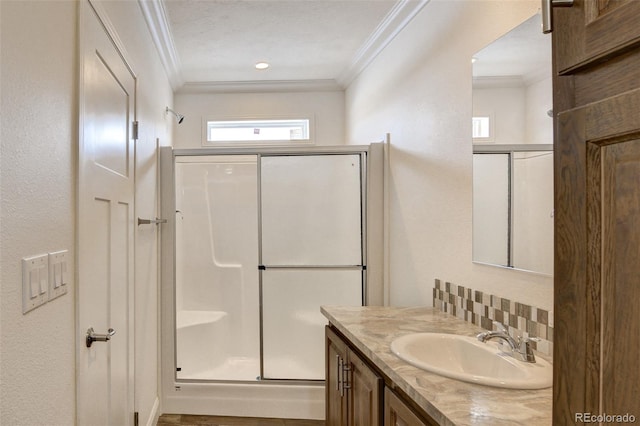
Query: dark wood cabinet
353,389
336,402
596,47
397,413
357,394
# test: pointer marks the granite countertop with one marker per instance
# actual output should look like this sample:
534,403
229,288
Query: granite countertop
450,402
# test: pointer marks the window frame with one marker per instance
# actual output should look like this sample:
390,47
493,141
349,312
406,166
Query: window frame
256,119
490,127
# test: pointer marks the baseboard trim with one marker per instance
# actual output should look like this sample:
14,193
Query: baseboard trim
154,415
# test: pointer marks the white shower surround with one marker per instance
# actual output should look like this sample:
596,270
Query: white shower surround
219,364
216,274
202,386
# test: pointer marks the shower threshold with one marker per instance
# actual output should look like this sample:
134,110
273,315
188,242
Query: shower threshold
245,369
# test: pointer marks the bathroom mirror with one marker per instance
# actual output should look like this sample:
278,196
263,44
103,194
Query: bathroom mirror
513,151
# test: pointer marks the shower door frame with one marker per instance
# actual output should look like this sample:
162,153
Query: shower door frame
367,153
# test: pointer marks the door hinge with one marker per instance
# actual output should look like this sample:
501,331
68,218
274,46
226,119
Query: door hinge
134,130
136,419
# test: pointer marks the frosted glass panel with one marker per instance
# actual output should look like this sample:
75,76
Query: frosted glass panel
217,310
311,210
491,208
533,211
293,327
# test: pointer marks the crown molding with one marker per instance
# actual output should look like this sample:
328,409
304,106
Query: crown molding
261,86
395,21
156,18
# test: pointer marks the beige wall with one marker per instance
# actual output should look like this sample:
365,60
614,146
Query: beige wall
326,108
39,145
39,110
419,90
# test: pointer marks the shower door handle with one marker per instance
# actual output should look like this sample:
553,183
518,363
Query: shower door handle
94,337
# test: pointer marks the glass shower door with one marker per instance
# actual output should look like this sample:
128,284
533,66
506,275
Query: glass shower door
311,255
217,285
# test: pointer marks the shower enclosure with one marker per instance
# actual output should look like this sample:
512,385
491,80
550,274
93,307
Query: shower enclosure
216,243
513,206
258,241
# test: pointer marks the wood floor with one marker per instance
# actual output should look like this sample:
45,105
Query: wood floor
192,420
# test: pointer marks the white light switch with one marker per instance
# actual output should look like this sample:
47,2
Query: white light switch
58,273
35,282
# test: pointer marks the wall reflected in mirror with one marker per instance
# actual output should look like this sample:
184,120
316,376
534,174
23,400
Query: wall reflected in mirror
513,151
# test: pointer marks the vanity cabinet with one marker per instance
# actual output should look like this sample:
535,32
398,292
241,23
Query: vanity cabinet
357,394
353,389
397,413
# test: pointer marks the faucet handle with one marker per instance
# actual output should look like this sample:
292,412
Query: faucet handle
525,348
525,340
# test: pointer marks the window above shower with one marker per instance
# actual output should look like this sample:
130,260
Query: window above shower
263,131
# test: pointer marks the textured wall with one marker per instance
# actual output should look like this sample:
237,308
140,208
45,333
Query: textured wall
39,113
39,145
419,90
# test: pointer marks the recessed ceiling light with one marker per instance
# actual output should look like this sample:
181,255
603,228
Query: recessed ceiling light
262,66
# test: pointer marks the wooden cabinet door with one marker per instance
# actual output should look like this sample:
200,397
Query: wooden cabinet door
396,413
353,390
592,30
364,394
336,402
596,46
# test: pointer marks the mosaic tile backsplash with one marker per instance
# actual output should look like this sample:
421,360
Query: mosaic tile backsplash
483,309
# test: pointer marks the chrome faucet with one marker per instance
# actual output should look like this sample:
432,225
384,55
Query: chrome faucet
520,347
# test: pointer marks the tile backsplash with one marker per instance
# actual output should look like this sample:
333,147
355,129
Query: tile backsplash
483,309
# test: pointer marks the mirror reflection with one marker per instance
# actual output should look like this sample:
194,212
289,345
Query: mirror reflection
513,151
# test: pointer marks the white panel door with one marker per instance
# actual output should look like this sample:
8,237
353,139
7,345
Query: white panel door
105,228
311,210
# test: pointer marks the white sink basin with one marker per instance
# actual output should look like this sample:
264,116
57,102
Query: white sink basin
465,358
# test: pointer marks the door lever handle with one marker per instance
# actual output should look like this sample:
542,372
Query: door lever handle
94,337
155,221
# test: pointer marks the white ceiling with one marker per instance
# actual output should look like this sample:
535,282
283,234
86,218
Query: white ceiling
524,52
214,44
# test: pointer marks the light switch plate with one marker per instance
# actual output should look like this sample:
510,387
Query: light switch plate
35,282
58,273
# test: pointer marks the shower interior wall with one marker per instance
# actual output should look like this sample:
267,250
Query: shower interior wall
216,274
